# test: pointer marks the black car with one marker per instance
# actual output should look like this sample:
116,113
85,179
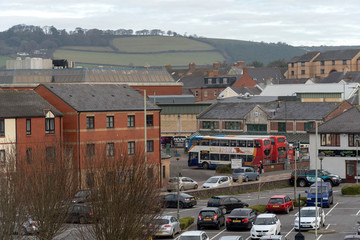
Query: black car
306,177
81,196
79,213
228,202
211,217
185,200
240,218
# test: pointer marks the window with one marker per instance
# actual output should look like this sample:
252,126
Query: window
49,125
90,179
150,146
28,155
210,125
232,125
333,62
302,63
90,122
196,93
110,121
205,93
308,126
322,63
149,120
344,62
2,157
163,171
50,154
131,148
292,64
225,80
352,139
28,126
110,150
131,121
330,139
2,127
281,126
292,73
215,93
302,72
90,150
256,127
322,71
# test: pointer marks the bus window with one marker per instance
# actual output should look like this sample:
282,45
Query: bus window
281,140
214,157
193,155
233,143
224,143
257,144
214,142
266,142
204,155
241,143
224,157
234,156
204,142
249,158
272,141
195,141
250,143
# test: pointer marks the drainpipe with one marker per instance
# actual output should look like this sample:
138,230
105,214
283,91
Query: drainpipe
79,151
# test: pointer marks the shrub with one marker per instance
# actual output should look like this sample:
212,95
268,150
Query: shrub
185,222
261,208
351,190
224,168
302,202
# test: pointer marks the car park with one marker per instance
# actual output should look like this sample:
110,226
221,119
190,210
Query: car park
280,203
166,226
194,235
324,193
265,224
185,200
240,218
217,181
231,238
210,217
308,218
184,183
228,202
80,213
306,177
245,174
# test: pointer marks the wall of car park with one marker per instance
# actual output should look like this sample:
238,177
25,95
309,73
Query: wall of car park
281,166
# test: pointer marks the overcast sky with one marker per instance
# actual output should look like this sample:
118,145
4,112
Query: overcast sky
296,22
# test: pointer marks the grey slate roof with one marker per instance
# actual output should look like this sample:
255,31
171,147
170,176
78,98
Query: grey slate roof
293,81
243,90
100,97
192,82
227,111
172,99
336,77
23,103
337,55
347,122
304,58
260,75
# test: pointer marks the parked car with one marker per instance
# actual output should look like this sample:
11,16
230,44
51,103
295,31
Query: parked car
245,173
280,203
167,226
240,218
265,224
348,237
231,238
185,183
228,202
83,196
80,213
211,217
194,235
307,177
185,200
273,237
28,225
308,218
325,194
217,181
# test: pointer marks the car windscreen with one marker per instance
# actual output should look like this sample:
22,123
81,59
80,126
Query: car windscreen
322,189
276,200
81,194
212,180
173,180
207,214
307,213
161,221
264,221
184,195
190,238
214,200
239,170
242,212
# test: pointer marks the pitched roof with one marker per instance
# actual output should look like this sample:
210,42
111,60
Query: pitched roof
336,77
337,55
243,90
192,82
347,122
24,103
100,97
260,75
304,58
227,111
172,99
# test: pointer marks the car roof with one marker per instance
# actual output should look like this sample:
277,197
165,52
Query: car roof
210,209
278,196
192,233
271,237
230,237
163,217
267,215
222,196
321,183
310,208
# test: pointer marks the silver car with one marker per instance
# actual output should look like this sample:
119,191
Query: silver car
245,173
167,226
185,183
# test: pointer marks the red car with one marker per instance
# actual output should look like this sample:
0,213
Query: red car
280,203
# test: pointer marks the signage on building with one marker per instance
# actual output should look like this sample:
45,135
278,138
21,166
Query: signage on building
179,141
236,163
339,153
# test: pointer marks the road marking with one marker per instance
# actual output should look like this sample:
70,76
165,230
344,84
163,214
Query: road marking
327,226
218,234
289,232
331,209
319,237
357,213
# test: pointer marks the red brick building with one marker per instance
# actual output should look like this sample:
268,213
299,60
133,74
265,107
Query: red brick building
103,120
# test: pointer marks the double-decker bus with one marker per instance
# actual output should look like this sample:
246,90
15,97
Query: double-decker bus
211,151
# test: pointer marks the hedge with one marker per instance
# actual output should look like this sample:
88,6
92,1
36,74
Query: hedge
185,222
261,208
351,190
224,169
302,202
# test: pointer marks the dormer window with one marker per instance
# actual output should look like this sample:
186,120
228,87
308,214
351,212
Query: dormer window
49,122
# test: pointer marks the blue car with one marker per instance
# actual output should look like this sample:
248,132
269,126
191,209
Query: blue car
325,195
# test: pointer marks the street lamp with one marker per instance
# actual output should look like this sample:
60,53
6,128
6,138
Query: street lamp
177,155
321,156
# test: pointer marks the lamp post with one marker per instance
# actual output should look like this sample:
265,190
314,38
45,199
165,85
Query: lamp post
177,155
357,146
295,169
321,156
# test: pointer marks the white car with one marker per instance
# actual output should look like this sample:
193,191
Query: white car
167,226
265,224
194,235
184,183
308,219
217,181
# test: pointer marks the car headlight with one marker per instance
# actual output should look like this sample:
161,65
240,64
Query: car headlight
308,198
325,198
